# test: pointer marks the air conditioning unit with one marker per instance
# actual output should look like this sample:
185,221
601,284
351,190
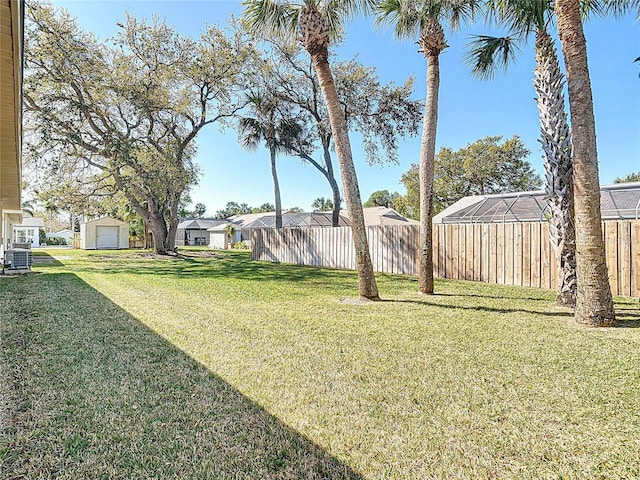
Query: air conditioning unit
17,259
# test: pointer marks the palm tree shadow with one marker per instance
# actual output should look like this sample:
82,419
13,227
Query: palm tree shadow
627,318
481,308
135,403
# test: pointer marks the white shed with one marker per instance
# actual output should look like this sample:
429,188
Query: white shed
219,237
104,233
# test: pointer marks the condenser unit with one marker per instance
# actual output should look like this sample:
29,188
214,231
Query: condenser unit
17,259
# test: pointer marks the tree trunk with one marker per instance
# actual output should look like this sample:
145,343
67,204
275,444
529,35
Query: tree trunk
147,240
594,303
156,222
170,241
159,232
335,190
329,175
555,138
366,279
276,188
426,172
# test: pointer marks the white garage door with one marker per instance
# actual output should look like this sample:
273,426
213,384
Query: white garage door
106,237
217,240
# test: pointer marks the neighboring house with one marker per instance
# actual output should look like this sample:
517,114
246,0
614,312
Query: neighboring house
194,231
11,54
620,201
384,216
298,220
67,234
247,218
104,233
240,221
373,216
28,231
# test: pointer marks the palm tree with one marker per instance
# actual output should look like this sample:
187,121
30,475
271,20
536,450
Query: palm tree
266,123
424,18
486,56
594,303
316,22
27,208
322,204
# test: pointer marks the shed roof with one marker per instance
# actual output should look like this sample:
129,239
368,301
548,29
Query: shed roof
106,220
31,222
617,202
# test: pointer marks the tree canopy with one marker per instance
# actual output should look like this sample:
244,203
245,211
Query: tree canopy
480,168
381,113
628,178
122,115
382,198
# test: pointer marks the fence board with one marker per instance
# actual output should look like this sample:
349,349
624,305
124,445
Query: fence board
624,258
611,252
477,251
517,254
455,252
485,240
508,253
526,254
442,253
535,255
493,253
635,259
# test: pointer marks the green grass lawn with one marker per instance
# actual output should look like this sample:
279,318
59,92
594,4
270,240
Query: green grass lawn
124,365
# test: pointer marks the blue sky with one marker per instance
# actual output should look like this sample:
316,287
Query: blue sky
470,109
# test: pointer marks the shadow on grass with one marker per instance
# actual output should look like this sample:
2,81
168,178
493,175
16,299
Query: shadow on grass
96,394
627,318
227,265
479,308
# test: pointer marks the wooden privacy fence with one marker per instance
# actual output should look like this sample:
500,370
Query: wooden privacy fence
393,248
521,254
506,253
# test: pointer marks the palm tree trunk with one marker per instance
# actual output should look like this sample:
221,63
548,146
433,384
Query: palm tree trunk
555,138
276,188
426,172
594,303
366,279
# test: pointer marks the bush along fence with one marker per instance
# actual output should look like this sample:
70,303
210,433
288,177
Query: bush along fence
506,253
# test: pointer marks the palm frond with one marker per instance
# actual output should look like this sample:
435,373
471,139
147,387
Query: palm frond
521,17
336,12
250,133
270,17
487,55
408,17
400,14
614,8
458,12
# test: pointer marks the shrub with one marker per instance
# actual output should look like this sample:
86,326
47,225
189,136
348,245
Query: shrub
240,246
56,241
